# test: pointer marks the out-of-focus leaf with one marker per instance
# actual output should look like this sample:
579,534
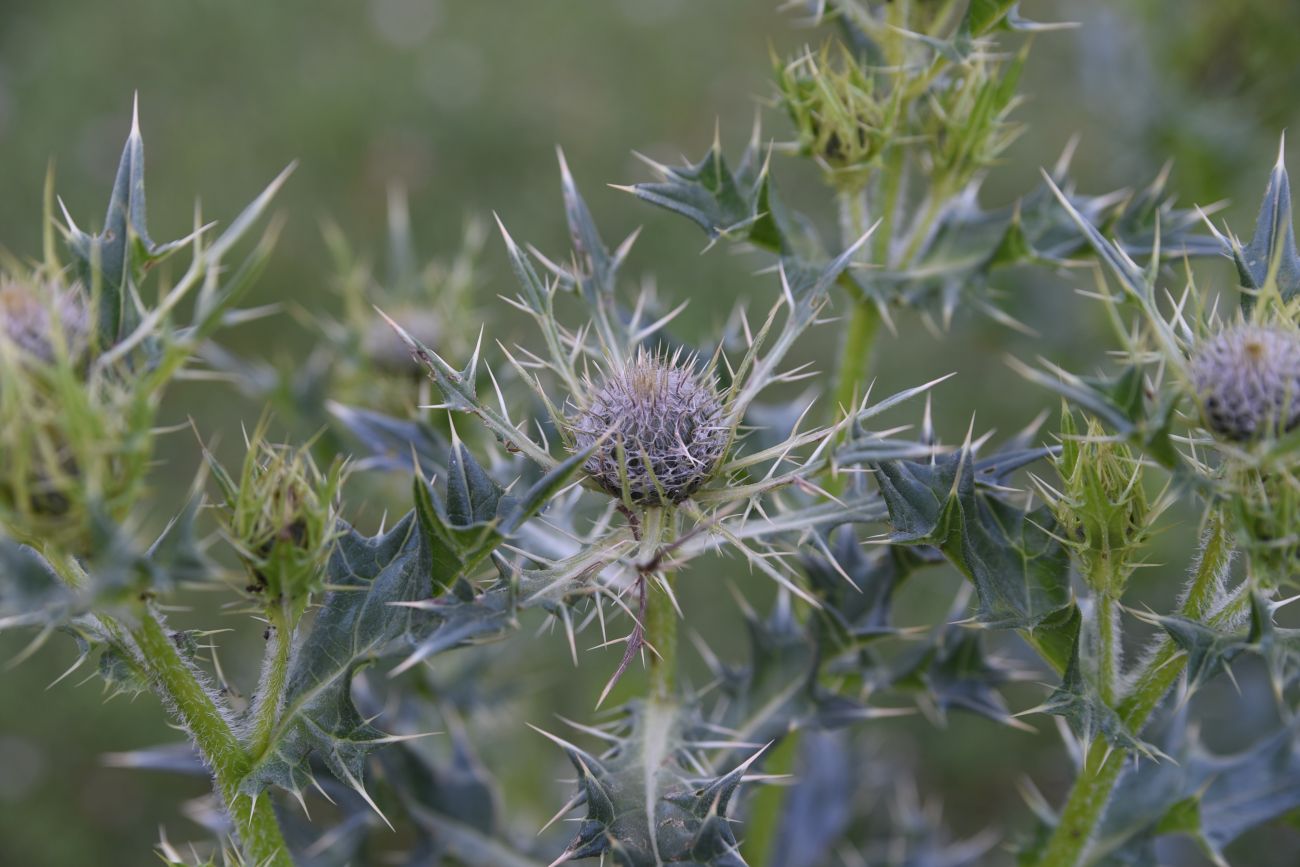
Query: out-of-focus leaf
819,809
857,586
389,442
954,671
1212,798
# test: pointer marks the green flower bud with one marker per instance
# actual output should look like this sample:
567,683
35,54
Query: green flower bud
659,431
1102,507
76,442
281,515
839,117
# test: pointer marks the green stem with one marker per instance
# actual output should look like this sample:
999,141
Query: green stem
854,367
270,688
657,527
1108,651
661,632
1092,789
855,356
254,820
1096,781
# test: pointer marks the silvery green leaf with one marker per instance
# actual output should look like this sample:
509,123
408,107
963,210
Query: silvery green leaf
389,443
955,671
1211,797
357,624
819,808
1271,254
1019,568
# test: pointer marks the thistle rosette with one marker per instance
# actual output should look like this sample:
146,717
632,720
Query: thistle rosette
656,430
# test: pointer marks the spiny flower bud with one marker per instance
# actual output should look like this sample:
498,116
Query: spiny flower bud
28,321
658,428
1102,505
1247,379
281,515
835,109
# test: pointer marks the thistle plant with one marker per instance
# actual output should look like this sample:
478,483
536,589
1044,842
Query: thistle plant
618,480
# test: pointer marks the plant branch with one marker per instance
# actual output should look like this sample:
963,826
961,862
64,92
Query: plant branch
270,687
179,687
1101,769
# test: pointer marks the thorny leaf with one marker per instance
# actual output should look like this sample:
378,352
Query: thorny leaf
648,806
380,606
1270,259
1081,705
357,624
1212,798
1019,569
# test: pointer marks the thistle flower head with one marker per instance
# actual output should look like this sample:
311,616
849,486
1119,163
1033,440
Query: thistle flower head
389,353
42,327
1247,378
658,428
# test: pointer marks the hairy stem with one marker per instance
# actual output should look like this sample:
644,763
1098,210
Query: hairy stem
254,820
1092,789
270,687
1109,646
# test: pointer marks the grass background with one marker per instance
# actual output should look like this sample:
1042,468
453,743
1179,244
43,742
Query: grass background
463,103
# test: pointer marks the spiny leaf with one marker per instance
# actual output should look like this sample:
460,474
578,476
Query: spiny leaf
646,807
356,625
1081,705
739,204
1212,798
1270,257
114,259
956,672
1019,569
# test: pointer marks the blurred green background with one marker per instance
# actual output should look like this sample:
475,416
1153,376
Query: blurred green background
463,103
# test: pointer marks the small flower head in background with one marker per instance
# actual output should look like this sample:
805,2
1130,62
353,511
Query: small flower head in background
44,321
